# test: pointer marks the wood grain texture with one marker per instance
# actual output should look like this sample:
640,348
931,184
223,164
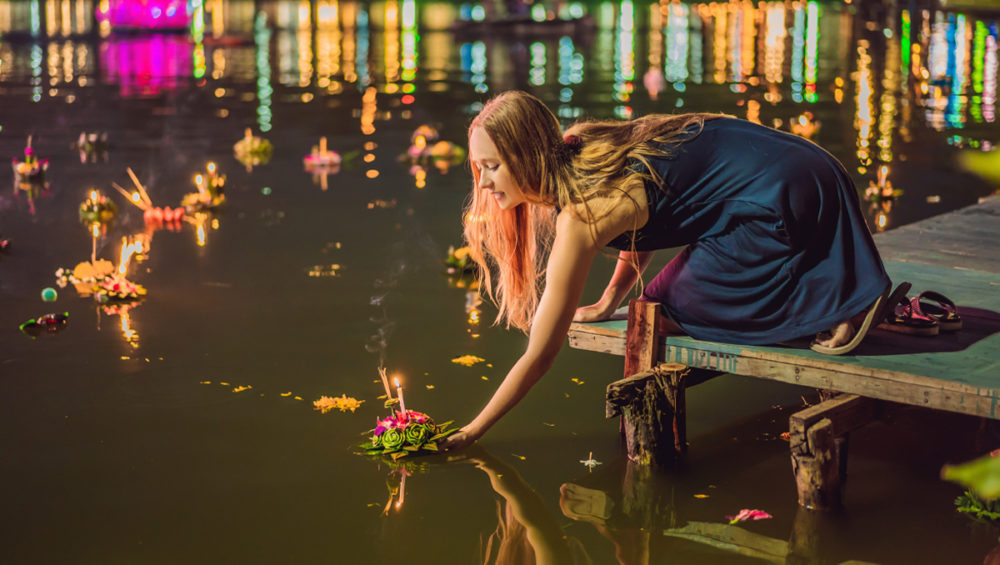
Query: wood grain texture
642,336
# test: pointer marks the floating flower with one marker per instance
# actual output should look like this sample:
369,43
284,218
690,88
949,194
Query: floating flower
745,515
342,403
591,463
468,360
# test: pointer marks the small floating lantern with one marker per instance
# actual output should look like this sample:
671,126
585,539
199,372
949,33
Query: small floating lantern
92,147
425,148
30,171
154,216
459,261
322,162
252,150
98,209
210,195
117,287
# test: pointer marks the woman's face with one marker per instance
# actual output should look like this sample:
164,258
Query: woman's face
494,175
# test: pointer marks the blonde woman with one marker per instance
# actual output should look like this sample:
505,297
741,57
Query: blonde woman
776,245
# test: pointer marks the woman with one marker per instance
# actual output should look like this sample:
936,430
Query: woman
777,247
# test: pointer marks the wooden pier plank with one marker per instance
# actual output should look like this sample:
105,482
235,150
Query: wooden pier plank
959,372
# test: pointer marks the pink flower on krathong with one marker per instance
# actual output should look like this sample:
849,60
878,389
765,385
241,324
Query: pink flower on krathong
417,417
379,430
748,515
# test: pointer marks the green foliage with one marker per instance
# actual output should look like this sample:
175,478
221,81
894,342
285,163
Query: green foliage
970,503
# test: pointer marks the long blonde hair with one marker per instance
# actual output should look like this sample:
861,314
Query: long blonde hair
594,162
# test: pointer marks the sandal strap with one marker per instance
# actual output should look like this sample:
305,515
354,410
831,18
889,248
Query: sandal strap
931,296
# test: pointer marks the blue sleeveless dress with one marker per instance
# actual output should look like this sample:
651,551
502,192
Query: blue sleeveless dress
777,245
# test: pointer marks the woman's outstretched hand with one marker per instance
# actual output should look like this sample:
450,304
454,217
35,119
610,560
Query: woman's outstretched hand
457,441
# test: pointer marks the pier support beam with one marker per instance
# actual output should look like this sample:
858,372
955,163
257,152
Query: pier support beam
652,407
819,460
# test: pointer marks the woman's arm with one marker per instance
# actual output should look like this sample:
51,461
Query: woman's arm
572,254
620,286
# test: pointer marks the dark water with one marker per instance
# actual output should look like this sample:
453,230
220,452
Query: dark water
121,444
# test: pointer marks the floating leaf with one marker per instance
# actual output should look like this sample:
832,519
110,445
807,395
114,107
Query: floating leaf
283,394
701,496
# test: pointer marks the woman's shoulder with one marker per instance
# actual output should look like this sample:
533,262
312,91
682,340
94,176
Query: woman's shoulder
612,214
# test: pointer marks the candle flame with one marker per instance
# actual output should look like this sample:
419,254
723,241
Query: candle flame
198,179
211,168
135,197
93,195
95,229
395,380
881,220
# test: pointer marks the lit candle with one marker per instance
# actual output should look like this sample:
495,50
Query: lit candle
211,168
94,195
883,172
399,393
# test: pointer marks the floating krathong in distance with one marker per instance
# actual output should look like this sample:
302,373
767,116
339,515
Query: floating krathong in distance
151,214
92,146
211,192
252,151
31,171
322,162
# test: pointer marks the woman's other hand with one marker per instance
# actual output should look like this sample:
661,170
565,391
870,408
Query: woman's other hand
593,313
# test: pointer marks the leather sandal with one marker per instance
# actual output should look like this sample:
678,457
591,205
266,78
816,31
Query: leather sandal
938,307
906,319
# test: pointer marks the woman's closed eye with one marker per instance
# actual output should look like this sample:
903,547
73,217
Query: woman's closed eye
493,168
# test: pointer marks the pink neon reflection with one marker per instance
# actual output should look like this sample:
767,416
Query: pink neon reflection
146,65
146,14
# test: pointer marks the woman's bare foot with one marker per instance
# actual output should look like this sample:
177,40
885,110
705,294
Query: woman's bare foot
837,335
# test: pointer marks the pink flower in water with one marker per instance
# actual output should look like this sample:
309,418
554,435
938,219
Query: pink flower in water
748,515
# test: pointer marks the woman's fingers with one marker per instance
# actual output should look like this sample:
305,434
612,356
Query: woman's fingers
457,441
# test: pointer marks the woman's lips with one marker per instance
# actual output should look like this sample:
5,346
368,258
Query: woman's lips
498,195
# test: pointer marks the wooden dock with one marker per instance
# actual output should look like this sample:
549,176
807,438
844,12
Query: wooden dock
956,254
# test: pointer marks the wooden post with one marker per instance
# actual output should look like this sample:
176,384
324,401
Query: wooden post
642,338
651,404
818,459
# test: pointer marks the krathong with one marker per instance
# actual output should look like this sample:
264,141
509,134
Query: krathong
322,162
252,150
459,261
47,324
210,195
98,209
92,146
406,433
425,148
154,216
32,170
85,275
